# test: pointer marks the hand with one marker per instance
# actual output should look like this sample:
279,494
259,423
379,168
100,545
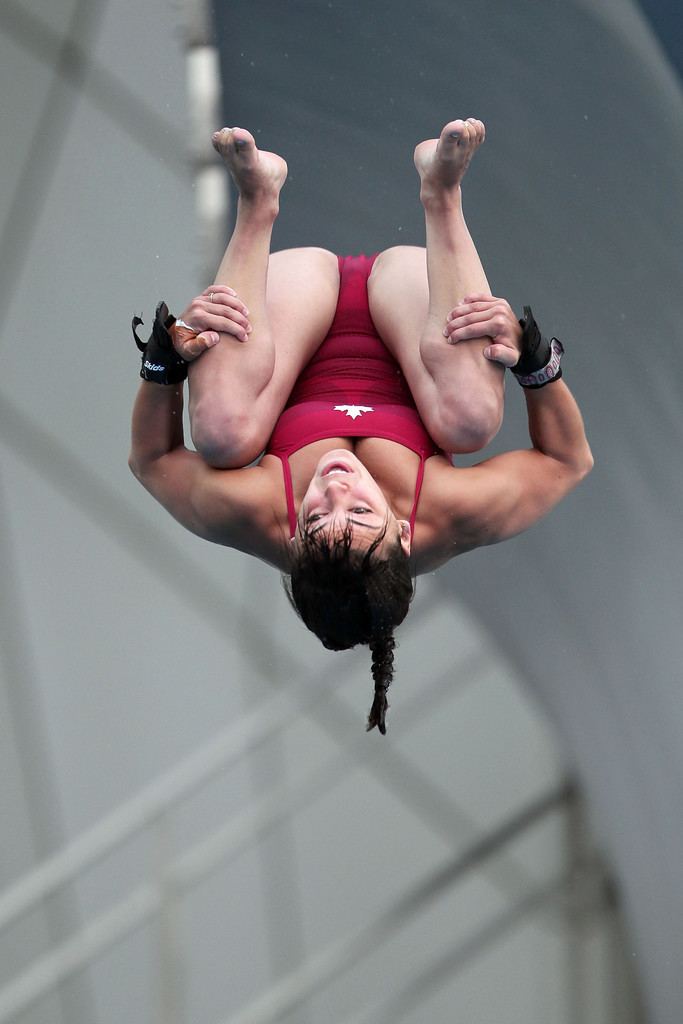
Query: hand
479,316
218,310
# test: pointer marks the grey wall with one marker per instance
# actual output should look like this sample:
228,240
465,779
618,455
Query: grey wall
575,203
97,221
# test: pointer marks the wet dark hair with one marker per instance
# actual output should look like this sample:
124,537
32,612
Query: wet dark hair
349,597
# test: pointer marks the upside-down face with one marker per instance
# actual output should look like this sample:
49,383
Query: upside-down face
343,495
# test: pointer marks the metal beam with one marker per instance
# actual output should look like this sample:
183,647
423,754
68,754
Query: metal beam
323,968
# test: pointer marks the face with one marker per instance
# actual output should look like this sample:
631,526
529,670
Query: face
341,494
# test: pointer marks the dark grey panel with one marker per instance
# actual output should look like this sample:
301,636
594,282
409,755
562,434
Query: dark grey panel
666,19
575,204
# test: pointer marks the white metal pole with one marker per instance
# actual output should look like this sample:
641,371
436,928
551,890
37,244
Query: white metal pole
210,180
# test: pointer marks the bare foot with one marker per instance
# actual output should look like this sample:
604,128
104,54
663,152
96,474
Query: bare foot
258,175
441,163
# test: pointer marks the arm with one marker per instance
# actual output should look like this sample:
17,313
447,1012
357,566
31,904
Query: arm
159,459
508,493
234,507
204,500
157,426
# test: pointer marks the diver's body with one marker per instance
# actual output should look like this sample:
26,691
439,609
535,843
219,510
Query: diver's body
239,387
351,520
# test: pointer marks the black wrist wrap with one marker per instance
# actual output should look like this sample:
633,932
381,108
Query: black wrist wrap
160,361
539,363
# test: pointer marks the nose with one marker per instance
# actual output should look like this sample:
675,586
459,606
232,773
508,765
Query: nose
336,485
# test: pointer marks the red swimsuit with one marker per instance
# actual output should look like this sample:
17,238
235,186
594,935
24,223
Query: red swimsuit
353,387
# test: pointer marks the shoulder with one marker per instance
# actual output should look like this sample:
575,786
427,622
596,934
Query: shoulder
446,522
470,507
239,508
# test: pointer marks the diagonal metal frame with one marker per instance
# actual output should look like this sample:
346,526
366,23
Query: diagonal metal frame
15,238
49,134
441,970
206,856
337,958
35,770
293,991
109,93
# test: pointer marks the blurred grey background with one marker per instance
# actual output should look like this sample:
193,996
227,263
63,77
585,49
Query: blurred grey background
195,826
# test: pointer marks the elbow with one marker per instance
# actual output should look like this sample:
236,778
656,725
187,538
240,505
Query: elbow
136,466
576,465
584,464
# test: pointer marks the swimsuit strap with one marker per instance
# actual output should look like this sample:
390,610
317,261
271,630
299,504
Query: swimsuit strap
418,488
289,494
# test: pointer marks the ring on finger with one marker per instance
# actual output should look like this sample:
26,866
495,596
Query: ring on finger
189,327
211,297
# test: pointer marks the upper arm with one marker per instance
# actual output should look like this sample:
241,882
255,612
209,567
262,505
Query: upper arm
212,503
508,493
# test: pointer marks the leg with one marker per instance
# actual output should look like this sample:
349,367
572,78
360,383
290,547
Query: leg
238,389
458,392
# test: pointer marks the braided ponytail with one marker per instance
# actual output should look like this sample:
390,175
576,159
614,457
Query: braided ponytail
348,597
382,650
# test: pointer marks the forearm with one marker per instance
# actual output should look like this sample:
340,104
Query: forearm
157,426
556,426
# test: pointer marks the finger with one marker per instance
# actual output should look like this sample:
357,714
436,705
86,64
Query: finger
238,312
502,354
184,340
477,325
236,325
474,316
472,333
481,302
194,347
205,316
217,289
472,304
219,303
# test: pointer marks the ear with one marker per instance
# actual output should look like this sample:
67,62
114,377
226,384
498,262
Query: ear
405,535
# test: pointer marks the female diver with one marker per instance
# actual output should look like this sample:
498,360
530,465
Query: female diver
327,394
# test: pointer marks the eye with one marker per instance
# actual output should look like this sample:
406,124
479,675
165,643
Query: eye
361,510
313,518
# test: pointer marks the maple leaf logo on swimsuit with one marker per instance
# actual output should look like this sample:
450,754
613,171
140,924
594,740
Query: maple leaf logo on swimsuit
354,411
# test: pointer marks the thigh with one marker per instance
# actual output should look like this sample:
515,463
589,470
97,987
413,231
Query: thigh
458,393
234,413
301,296
398,294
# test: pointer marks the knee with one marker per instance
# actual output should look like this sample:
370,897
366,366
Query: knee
409,256
226,440
467,426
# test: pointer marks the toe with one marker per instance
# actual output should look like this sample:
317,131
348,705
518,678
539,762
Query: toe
220,139
477,129
241,138
453,132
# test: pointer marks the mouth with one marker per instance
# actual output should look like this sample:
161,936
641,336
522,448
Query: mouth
335,467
